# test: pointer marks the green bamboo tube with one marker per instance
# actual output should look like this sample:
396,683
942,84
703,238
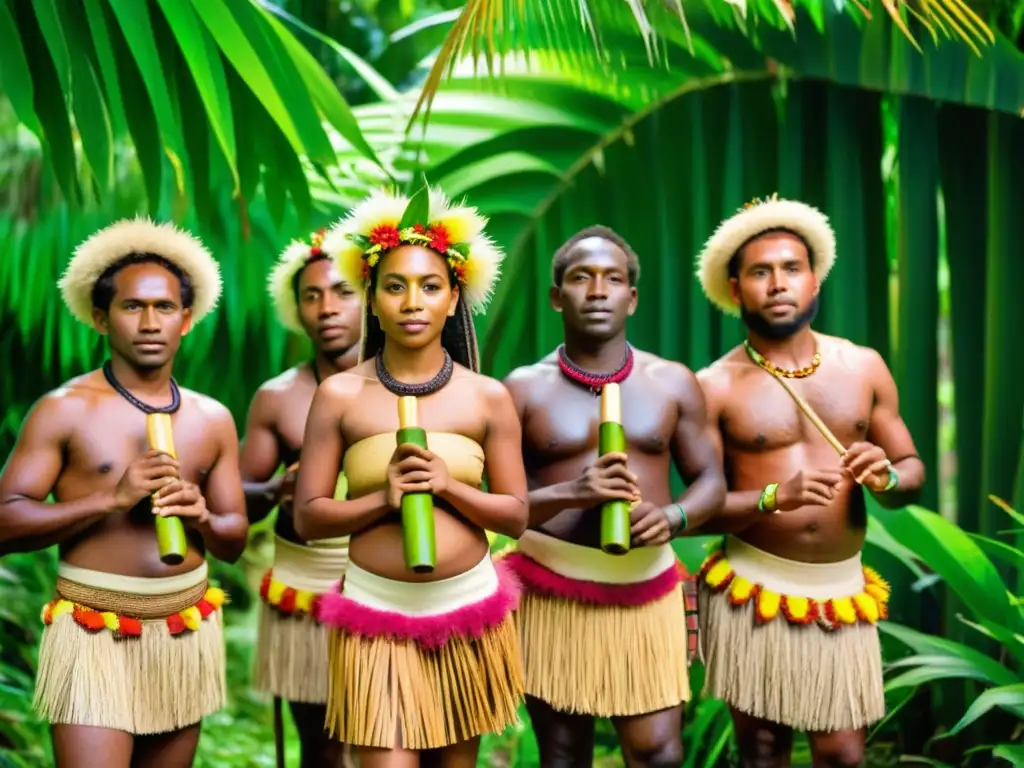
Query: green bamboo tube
417,508
611,438
170,533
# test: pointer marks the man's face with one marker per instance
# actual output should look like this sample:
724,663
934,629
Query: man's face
776,287
330,310
146,319
595,297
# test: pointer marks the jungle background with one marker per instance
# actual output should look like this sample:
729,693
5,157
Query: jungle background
255,121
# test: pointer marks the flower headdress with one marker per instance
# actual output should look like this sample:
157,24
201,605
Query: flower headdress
140,236
753,219
385,221
281,283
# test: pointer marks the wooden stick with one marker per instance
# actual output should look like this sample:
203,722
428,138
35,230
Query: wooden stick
815,419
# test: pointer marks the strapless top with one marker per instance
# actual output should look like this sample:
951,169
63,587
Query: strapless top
366,462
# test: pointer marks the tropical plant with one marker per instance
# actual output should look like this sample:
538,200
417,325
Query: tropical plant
968,565
589,35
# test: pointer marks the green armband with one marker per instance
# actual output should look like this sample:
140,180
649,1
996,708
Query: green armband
677,523
766,504
894,481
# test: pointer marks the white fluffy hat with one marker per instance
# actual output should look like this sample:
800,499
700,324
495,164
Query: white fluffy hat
755,218
139,235
292,260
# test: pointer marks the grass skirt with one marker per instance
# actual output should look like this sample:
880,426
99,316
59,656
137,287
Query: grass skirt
793,643
423,665
291,650
603,635
144,656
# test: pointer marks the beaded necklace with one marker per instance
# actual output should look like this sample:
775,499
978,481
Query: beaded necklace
798,373
395,387
108,374
594,381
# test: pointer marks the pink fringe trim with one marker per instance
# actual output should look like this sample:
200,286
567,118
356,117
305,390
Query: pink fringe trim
430,632
536,578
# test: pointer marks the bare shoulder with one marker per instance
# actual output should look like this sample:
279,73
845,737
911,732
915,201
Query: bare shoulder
213,410
720,376
283,383
492,391
522,381
345,387
72,399
668,371
853,356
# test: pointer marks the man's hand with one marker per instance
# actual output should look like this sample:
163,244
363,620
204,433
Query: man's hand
285,491
607,479
150,472
415,470
184,500
868,464
649,525
807,489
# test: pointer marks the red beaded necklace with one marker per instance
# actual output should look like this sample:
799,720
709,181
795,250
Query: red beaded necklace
594,381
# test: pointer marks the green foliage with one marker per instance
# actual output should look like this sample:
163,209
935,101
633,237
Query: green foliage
968,565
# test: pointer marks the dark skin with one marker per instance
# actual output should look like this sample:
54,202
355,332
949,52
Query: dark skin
86,444
330,311
665,422
413,299
765,438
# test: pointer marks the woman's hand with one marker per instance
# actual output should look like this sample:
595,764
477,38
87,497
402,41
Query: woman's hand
415,470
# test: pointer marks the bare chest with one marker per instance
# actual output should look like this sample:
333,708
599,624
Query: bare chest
291,425
762,416
566,424
103,448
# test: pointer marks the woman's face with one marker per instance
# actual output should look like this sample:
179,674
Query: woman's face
414,296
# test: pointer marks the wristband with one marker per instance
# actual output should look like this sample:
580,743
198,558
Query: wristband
766,503
677,521
894,480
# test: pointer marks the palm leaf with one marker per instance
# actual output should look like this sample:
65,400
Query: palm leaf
489,30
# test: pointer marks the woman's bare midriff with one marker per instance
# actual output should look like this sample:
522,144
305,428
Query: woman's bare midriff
379,549
127,549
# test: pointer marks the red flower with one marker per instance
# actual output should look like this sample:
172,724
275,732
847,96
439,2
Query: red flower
91,620
315,252
128,627
438,238
265,585
419,229
366,269
314,607
205,608
287,604
385,236
175,624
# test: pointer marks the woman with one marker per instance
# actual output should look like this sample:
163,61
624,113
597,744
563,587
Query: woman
419,661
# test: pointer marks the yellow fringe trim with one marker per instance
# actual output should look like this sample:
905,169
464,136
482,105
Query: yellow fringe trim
868,606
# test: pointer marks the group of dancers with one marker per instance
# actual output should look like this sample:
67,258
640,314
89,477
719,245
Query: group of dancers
387,666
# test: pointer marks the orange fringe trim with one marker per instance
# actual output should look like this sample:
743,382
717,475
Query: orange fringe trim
867,607
126,626
286,600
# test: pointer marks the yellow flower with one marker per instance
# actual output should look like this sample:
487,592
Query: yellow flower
768,603
110,621
303,600
216,596
741,590
718,574
843,607
192,617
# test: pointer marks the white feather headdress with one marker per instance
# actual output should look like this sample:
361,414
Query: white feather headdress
385,220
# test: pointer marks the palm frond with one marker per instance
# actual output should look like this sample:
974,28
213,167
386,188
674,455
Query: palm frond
577,31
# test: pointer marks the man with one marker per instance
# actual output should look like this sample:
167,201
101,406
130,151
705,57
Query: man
605,635
787,610
310,298
132,654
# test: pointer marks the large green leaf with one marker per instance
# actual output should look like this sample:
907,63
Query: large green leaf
959,560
